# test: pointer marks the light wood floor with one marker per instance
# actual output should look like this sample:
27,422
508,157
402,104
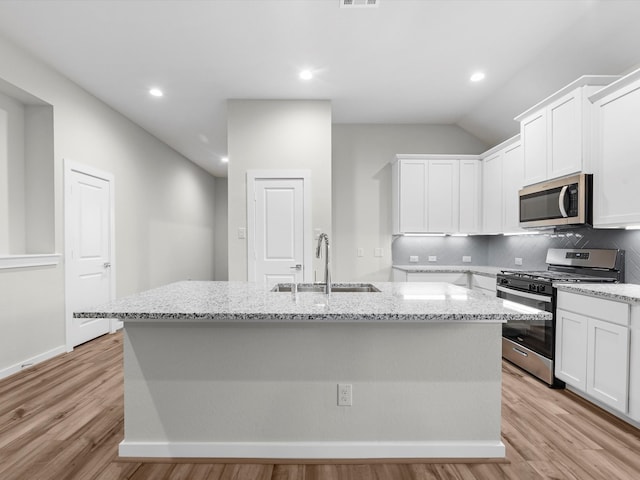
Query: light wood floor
63,419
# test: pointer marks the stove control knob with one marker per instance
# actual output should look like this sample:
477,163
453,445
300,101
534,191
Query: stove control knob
541,288
504,281
532,287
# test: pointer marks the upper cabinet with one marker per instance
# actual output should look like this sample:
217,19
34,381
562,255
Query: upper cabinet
502,177
427,194
616,145
555,132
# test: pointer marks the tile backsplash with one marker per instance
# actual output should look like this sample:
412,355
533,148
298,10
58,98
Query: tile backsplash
501,251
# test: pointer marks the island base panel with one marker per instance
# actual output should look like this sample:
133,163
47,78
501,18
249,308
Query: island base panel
270,391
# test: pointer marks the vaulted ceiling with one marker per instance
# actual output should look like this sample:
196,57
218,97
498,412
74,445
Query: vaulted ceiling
403,61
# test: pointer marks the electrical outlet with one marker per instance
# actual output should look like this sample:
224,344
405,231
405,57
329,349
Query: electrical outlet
345,395
466,258
414,258
242,233
360,252
433,258
377,252
518,261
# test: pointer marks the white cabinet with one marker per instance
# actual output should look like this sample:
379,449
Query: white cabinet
427,197
501,179
571,348
592,347
512,182
483,284
555,132
608,363
443,195
616,150
470,195
461,278
492,193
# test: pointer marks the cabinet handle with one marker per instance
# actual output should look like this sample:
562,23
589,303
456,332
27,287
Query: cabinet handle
297,267
107,265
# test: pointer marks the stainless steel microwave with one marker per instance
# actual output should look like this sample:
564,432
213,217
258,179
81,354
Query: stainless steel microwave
562,201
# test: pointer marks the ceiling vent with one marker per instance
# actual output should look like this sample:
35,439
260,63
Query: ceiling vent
358,3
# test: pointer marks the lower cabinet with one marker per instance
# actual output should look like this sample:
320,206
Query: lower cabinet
461,279
481,283
592,348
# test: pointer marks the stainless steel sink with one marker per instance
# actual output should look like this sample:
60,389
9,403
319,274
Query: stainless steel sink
335,287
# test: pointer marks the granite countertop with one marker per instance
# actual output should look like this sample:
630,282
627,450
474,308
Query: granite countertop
621,292
477,269
198,301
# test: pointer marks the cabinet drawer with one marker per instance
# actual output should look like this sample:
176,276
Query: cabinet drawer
486,283
608,310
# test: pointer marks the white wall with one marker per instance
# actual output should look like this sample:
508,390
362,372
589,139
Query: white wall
12,196
362,188
276,134
165,210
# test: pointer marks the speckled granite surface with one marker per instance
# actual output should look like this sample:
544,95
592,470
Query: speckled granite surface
621,292
251,302
480,270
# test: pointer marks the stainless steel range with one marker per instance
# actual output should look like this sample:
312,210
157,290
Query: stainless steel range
531,345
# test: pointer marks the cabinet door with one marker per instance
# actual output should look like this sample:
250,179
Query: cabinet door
616,165
443,196
571,348
533,130
492,194
564,124
512,180
470,196
413,195
608,363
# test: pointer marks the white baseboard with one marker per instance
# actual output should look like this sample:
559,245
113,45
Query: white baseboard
314,450
29,362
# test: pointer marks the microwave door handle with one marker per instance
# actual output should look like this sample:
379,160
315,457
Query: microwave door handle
563,194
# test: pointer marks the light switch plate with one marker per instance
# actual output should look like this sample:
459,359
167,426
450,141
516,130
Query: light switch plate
360,252
414,258
433,258
466,258
242,233
518,261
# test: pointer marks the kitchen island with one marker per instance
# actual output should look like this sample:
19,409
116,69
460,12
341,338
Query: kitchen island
231,370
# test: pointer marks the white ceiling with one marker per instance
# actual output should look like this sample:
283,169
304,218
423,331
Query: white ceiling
406,61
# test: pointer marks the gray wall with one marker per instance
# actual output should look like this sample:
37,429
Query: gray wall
501,251
164,209
361,185
276,135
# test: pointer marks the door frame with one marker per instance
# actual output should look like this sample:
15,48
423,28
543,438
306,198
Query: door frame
252,177
69,167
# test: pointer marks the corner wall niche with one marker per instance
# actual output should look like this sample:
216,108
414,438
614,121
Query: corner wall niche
27,223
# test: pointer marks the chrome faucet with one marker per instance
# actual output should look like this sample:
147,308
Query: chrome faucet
327,263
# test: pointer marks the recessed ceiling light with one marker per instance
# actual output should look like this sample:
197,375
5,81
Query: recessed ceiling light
156,92
224,159
476,77
306,75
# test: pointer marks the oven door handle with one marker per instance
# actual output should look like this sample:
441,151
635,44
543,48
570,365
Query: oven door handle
518,293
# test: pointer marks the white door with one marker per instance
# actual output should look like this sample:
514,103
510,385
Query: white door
88,252
277,239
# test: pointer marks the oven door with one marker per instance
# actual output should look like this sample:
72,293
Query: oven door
536,335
